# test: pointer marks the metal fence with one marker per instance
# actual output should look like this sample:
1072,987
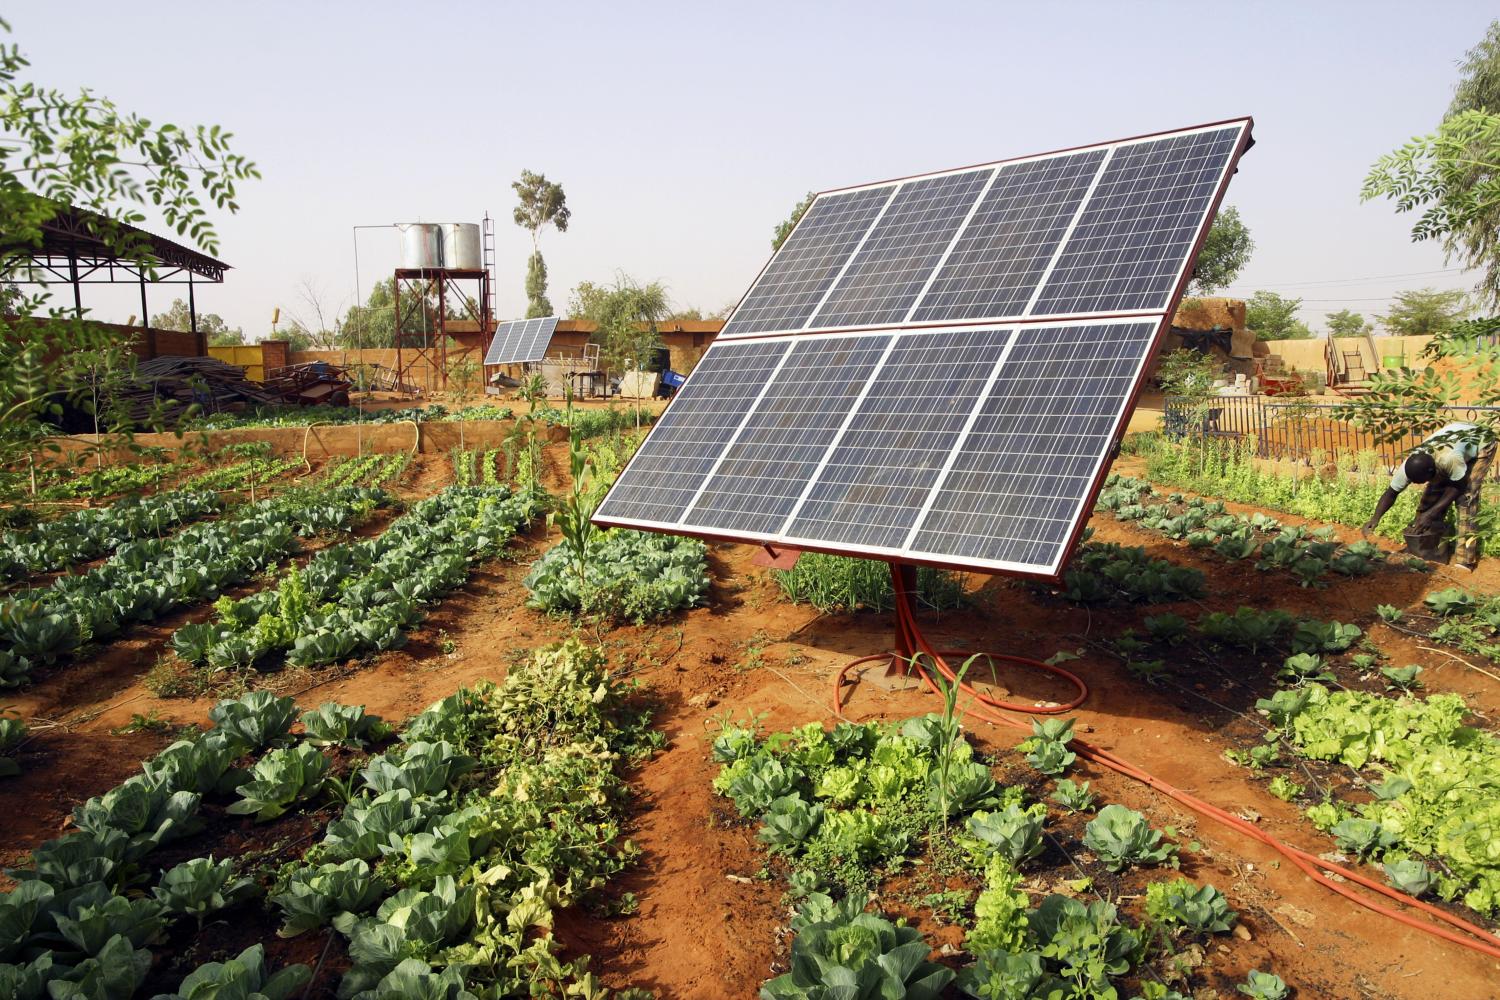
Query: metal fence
1293,429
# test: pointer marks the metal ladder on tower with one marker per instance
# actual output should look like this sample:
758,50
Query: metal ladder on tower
488,230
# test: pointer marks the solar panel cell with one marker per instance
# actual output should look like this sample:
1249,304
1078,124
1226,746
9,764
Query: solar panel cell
994,267
1020,476
673,462
879,474
768,466
805,267
889,271
1132,242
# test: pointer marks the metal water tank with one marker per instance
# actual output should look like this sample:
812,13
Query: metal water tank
421,245
461,246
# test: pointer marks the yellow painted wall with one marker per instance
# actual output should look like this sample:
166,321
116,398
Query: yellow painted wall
247,356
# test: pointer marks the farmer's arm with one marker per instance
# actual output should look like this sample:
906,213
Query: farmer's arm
1386,500
1434,514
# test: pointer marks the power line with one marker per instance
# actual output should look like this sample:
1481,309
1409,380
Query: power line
1343,281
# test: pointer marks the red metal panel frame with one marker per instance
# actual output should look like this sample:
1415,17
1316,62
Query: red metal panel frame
1246,141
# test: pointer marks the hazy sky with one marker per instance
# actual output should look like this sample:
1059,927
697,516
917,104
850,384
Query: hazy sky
683,133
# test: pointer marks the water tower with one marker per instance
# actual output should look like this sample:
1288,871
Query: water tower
444,298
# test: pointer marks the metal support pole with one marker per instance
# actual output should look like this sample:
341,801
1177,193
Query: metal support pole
442,331
77,293
146,316
396,299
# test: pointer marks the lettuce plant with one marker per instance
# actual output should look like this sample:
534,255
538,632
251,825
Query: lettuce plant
323,895
258,719
863,957
1014,833
331,723
1121,837
790,821
411,924
279,780
1073,797
414,979
1180,903
202,886
246,977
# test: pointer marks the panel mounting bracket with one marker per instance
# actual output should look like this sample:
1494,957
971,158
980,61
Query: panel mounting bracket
776,557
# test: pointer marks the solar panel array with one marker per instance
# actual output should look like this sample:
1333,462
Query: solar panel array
521,340
934,370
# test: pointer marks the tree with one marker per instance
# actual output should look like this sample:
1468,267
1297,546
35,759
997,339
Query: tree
178,318
1453,174
537,303
297,336
1425,311
1274,317
373,324
226,338
542,203
1478,89
1226,251
784,229
318,333
587,300
1347,324
1188,374
628,315
693,314
83,153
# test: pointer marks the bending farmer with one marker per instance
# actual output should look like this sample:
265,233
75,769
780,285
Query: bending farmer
1451,464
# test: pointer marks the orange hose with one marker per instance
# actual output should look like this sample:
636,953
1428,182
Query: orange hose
909,636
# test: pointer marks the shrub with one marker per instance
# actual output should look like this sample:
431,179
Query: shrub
842,583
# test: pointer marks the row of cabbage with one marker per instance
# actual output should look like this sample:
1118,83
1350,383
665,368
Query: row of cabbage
87,534
441,872
1308,554
149,577
358,597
